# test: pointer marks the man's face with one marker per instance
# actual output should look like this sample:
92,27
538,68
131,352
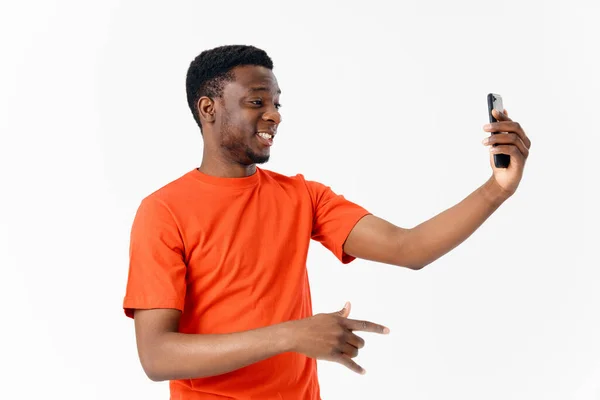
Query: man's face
248,116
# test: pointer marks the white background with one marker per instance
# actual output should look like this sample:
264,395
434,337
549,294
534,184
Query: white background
383,101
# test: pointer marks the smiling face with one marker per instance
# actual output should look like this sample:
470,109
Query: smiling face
246,116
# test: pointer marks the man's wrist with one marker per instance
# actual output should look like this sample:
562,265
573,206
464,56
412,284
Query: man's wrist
285,337
493,193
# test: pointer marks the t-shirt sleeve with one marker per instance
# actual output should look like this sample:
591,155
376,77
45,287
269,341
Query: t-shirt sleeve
157,269
334,219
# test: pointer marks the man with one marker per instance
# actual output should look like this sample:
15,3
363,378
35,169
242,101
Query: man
217,279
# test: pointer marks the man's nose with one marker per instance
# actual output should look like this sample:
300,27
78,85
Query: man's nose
273,116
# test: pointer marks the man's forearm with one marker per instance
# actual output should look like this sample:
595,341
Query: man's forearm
433,238
188,356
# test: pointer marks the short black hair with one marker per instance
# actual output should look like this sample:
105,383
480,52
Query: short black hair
209,71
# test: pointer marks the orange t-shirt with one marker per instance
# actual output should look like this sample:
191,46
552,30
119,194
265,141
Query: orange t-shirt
230,253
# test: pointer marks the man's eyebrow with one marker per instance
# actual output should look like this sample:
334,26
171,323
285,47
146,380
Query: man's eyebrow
262,89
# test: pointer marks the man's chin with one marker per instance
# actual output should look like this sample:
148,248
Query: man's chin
258,158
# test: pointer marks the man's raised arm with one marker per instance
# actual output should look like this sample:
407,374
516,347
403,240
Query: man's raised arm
378,240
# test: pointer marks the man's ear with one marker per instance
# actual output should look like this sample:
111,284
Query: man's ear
206,109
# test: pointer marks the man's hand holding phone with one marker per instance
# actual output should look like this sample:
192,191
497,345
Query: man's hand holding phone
514,142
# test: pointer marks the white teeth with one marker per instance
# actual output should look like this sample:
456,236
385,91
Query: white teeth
265,135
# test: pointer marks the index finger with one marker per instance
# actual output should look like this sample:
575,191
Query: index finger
365,326
506,124
500,116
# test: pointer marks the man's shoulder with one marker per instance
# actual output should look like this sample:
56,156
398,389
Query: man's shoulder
298,180
280,177
173,189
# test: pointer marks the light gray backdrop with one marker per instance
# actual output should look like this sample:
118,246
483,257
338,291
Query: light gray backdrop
383,101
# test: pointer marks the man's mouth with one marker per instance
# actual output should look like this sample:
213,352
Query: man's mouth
265,138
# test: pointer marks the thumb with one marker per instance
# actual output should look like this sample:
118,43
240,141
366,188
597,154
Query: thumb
344,312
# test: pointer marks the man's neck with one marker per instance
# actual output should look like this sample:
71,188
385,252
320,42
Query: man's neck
226,170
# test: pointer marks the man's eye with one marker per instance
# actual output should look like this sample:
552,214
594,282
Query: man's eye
260,103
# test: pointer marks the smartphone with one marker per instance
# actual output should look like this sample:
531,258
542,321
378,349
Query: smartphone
495,102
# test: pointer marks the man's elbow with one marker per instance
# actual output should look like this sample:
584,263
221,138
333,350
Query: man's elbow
155,376
408,253
412,263
151,366
415,266
151,373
